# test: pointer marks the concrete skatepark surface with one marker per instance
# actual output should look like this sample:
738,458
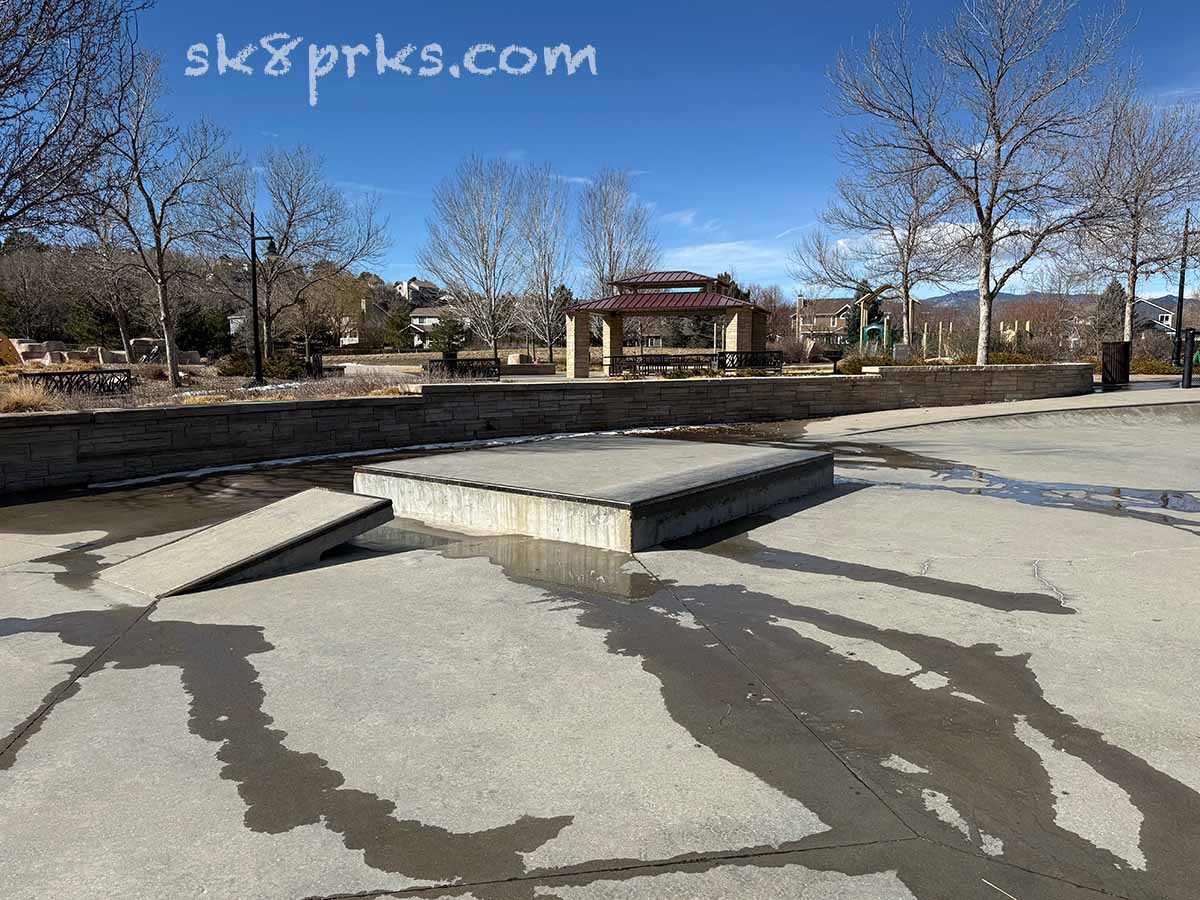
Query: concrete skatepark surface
967,671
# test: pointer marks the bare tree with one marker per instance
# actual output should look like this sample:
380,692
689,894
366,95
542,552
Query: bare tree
62,63
473,246
1156,172
156,182
1004,102
779,311
318,232
616,237
894,232
31,299
546,249
106,276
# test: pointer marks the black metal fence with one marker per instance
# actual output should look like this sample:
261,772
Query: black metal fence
697,363
481,369
85,381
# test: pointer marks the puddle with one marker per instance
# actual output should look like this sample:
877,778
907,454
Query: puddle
1145,504
552,564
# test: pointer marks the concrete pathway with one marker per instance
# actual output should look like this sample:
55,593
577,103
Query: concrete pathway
969,671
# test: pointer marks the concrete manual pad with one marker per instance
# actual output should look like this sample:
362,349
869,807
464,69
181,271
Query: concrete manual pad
282,535
611,491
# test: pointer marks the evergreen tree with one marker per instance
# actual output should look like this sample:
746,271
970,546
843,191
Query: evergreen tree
449,335
1110,312
396,328
727,285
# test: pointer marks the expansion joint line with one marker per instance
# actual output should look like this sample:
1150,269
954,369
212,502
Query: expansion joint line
66,686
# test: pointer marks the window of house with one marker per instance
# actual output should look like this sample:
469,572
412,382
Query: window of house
1165,318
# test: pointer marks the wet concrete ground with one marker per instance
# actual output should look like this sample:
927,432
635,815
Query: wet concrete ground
968,671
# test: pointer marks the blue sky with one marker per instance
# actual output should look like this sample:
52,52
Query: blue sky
720,108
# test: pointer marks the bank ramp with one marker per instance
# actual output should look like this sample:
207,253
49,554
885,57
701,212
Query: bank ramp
283,535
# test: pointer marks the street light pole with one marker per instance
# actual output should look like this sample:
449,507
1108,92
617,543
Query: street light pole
271,254
1187,222
258,366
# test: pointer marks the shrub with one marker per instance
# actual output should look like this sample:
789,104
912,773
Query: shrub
242,364
853,365
22,398
1008,358
1141,366
797,350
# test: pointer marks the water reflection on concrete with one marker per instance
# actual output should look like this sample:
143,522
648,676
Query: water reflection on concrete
1153,505
526,559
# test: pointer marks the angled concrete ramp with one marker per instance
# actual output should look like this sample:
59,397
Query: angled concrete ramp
280,536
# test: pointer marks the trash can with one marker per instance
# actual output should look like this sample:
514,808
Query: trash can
1114,363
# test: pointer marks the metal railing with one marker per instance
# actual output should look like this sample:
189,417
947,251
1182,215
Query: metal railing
84,381
484,369
721,361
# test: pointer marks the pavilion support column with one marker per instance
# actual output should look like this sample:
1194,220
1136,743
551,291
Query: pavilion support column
739,333
613,331
579,344
760,331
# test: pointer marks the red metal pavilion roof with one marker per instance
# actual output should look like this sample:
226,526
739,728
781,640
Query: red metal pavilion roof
662,302
678,278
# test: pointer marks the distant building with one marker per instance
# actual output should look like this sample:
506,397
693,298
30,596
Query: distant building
823,319
1151,316
418,292
422,321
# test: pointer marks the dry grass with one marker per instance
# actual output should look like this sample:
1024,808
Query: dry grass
25,398
200,399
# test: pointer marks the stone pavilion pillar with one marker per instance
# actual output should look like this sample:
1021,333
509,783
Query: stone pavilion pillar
579,342
739,332
614,337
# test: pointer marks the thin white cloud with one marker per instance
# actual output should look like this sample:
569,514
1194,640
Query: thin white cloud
689,219
751,260
573,179
793,230
358,187
273,135
685,218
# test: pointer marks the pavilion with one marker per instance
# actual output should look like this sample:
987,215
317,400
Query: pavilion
661,294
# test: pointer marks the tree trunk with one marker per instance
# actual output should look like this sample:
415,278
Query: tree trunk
985,305
122,318
166,319
1130,296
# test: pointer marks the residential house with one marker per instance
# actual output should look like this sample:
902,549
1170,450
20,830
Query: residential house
1154,315
822,319
418,292
422,321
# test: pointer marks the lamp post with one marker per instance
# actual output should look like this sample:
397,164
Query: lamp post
1187,222
271,255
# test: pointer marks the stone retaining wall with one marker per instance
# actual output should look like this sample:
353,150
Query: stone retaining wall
41,450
